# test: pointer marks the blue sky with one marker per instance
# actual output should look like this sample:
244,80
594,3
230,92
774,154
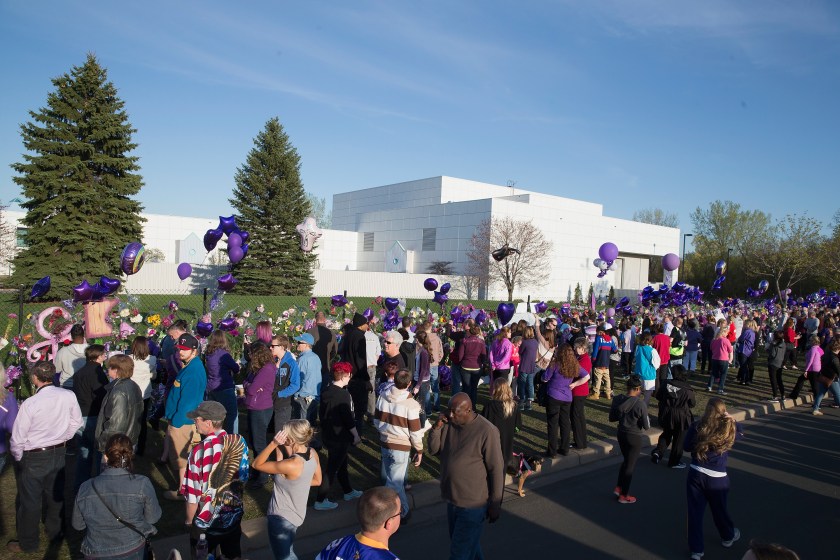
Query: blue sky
631,103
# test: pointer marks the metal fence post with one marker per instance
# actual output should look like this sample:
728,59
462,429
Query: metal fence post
528,305
204,303
20,307
344,309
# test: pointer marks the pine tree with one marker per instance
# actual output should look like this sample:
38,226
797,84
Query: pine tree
78,181
578,295
611,296
270,201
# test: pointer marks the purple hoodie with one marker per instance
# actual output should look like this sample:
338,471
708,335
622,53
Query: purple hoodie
7,418
500,353
259,388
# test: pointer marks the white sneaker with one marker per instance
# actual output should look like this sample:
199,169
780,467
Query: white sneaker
730,542
817,413
352,495
696,556
326,505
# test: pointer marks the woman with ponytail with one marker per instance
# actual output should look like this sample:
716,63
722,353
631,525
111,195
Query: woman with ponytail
116,492
709,441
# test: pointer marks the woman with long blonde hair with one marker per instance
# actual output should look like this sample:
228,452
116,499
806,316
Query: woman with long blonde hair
709,441
503,413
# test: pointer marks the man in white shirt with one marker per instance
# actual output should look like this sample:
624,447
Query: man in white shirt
69,359
373,347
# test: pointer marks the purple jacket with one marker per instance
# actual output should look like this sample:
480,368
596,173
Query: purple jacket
221,368
500,352
558,384
471,353
7,419
259,388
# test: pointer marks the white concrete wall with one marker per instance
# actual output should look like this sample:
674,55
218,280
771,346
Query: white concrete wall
337,250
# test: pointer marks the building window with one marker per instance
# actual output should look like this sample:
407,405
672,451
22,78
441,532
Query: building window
20,238
367,245
429,239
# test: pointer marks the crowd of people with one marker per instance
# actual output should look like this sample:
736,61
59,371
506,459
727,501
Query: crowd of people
94,410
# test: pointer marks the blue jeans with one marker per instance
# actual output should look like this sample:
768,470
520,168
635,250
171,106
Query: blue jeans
690,360
719,369
526,386
227,398
469,383
465,526
456,378
305,409
424,397
434,402
394,470
87,457
258,425
281,537
822,390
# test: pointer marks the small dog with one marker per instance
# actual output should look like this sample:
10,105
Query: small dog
522,466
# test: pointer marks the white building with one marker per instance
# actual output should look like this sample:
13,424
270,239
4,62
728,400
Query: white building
384,239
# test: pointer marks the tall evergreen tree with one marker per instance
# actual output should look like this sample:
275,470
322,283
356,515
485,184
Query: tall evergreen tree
270,201
78,182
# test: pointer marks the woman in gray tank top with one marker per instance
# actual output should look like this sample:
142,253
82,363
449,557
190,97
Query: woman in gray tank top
293,476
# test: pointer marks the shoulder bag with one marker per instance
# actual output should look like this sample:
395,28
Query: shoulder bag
148,552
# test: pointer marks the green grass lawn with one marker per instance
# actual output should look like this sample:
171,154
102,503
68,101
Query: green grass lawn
364,459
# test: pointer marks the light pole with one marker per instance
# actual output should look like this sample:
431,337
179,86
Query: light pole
728,253
682,260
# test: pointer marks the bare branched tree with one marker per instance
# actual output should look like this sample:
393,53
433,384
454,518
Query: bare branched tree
657,217
444,268
466,286
155,255
528,268
8,240
787,252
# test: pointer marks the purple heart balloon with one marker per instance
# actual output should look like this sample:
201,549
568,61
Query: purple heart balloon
211,238
430,284
82,292
481,317
440,298
40,288
245,236
235,254
391,303
227,324
368,314
338,301
245,249
227,282
110,285
204,329
99,292
445,288
505,313
227,224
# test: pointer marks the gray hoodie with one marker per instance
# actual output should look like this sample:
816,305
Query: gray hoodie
630,413
69,360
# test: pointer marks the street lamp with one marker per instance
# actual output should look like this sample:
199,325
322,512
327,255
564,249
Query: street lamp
728,253
682,260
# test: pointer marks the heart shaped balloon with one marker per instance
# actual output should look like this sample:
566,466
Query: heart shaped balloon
338,301
211,238
368,314
245,236
505,313
227,324
391,303
445,288
40,288
204,329
110,285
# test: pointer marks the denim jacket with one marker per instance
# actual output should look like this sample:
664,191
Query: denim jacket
131,496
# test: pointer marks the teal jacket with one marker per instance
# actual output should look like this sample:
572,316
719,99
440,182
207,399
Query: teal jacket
643,364
186,393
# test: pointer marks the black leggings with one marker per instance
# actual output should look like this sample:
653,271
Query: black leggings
336,468
776,381
578,416
790,355
557,412
631,446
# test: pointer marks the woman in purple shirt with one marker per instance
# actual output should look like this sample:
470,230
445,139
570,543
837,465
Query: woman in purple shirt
560,377
221,367
500,352
8,413
259,393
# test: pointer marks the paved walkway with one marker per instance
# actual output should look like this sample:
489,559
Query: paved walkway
784,476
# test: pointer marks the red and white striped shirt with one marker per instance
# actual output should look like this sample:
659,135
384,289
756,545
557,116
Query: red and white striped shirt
196,479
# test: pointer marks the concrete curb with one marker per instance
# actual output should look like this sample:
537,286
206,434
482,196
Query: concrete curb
343,519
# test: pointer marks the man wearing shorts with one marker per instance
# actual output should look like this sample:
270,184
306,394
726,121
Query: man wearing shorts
186,394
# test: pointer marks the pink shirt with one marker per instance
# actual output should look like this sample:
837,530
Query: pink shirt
721,349
49,417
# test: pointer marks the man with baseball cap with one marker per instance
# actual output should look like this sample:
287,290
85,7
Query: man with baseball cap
305,403
214,505
185,395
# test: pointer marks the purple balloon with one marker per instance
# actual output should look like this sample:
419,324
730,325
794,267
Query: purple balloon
227,224
204,329
245,236
368,314
245,249
227,282
109,285
670,262
481,317
99,292
132,258
430,284
234,240
608,252
228,324
184,270
541,307
445,288
720,267
235,254
610,312
455,314
82,292
391,303
339,301
505,313
440,298
40,288
211,238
